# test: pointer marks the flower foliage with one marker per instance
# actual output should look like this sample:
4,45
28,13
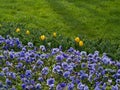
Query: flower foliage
29,67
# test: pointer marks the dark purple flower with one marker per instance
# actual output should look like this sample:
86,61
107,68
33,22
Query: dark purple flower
83,53
81,72
22,76
104,86
45,71
100,68
20,65
118,64
28,73
23,80
98,59
55,50
50,82
91,66
40,79
38,86
83,76
103,72
7,41
77,81
58,87
116,76
24,48
30,44
83,65
64,65
19,45
70,68
91,72
8,82
96,53
118,71
5,87
43,56
70,49
118,81
90,78
39,62
80,86
60,72
59,58
12,55
2,74
31,87
66,74
1,85
77,52
13,75
72,78
70,86
69,60
106,60
56,68
17,41
5,47
42,47
8,63
90,55
22,54
23,86
65,55
5,69
61,86
32,81
72,64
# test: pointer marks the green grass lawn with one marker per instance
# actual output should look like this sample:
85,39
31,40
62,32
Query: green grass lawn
91,18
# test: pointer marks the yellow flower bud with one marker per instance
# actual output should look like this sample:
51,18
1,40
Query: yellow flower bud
81,43
77,39
27,32
17,30
54,34
42,37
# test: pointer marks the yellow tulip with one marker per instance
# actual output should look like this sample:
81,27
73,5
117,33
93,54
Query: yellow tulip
81,43
17,30
42,37
27,32
77,39
54,34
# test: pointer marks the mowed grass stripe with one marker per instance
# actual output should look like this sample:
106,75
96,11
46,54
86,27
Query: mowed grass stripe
70,15
34,14
83,15
92,18
104,16
83,20
88,17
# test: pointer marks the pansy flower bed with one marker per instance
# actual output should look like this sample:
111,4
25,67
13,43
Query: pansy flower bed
27,67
